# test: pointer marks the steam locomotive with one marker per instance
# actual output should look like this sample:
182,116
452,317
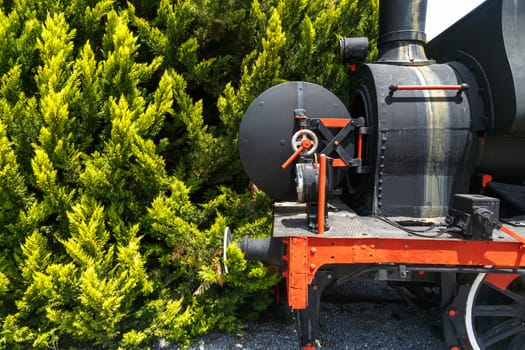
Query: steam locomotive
420,179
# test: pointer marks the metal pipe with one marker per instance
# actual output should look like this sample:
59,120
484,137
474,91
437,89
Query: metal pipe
402,31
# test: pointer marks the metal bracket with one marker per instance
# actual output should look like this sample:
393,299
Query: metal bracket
334,141
403,272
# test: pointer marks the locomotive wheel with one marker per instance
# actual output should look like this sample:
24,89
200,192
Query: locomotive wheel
495,314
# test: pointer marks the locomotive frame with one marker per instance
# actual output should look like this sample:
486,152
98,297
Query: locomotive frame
370,245
422,182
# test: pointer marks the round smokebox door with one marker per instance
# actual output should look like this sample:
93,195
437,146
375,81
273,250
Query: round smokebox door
268,126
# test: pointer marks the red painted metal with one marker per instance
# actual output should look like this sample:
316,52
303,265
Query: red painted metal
306,254
513,234
501,280
335,122
296,275
321,196
485,180
338,162
426,87
309,347
359,146
305,144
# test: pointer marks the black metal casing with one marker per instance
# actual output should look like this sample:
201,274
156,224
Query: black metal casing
500,71
423,142
424,146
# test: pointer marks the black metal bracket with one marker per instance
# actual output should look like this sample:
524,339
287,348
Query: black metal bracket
453,301
307,320
335,141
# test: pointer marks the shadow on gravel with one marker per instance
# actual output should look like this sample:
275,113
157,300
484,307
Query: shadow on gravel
358,315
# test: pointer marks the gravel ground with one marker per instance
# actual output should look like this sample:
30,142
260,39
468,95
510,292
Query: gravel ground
372,316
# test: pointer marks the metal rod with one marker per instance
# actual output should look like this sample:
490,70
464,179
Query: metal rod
293,157
321,200
359,146
465,269
513,234
458,87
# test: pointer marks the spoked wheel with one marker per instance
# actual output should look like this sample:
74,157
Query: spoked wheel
495,312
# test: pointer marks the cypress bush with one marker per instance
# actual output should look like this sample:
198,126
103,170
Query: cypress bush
118,160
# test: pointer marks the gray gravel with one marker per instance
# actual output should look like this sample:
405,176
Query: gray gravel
373,316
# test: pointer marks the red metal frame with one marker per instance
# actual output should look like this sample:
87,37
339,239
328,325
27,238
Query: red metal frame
306,254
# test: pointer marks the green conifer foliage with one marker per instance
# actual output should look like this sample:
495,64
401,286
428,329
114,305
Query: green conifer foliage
118,160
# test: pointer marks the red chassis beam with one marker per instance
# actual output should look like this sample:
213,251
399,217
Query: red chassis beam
306,254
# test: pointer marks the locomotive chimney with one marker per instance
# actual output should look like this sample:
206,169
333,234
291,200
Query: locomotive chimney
402,32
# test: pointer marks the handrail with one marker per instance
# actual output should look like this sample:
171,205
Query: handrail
458,87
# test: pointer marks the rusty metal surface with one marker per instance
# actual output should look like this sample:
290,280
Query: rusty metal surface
290,221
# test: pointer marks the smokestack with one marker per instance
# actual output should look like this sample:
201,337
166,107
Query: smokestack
402,32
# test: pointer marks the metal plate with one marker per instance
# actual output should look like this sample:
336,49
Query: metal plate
290,221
